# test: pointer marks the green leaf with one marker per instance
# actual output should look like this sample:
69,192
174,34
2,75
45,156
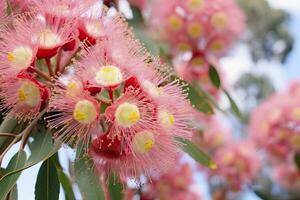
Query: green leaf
63,179
297,159
47,184
115,188
7,126
13,194
214,76
198,155
264,195
137,19
198,100
42,148
87,178
233,105
8,182
147,41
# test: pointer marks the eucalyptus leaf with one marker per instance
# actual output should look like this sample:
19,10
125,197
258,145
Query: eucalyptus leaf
87,178
63,179
197,154
147,41
297,159
47,185
233,105
8,182
115,188
214,76
41,148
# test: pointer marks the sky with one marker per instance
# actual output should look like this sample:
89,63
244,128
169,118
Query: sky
240,62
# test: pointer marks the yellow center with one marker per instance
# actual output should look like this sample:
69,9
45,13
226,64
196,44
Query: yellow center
184,47
166,119
49,39
219,20
94,29
85,112
73,88
153,90
20,57
296,113
143,142
195,5
194,30
109,76
175,22
29,94
198,61
217,46
127,114
295,141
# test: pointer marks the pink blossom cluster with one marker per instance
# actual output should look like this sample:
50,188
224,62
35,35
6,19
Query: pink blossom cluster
214,136
275,127
79,62
237,164
206,26
175,184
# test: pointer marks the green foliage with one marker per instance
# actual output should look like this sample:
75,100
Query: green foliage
42,148
198,155
115,187
8,182
268,26
47,184
87,177
297,159
214,76
233,105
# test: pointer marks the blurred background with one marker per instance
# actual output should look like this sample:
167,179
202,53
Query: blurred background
255,148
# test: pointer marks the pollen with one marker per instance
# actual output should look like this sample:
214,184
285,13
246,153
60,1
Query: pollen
29,94
94,29
85,112
127,114
195,30
217,46
20,57
153,90
219,20
143,142
184,47
175,22
166,119
195,5
73,88
198,61
49,39
109,76
296,113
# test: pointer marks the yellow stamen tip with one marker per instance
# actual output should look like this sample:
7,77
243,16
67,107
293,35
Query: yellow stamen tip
166,119
212,165
195,30
127,114
143,142
85,112
109,76
29,94
175,22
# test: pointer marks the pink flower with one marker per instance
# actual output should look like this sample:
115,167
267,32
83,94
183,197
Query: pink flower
141,4
237,163
275,125
75,112
17,48
23,96
205,25
287,175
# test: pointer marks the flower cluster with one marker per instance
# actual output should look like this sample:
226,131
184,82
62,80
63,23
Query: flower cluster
275,125
237,163
176,184
207,26
79,62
